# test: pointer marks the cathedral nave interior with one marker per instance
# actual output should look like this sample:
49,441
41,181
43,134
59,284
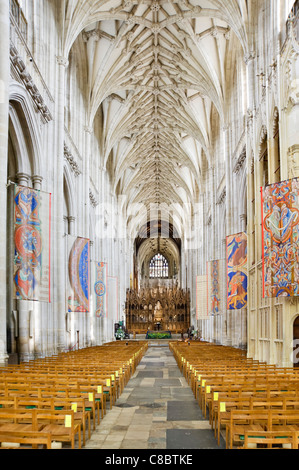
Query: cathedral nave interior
137,138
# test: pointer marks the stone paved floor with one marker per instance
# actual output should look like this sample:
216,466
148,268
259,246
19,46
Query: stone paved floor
157,410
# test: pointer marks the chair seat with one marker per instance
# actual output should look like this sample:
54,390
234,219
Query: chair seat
239,430
56,429
16,427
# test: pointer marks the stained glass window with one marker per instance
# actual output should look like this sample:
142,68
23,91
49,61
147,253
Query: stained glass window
158,267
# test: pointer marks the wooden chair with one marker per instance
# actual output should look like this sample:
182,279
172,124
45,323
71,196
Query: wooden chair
25,439
81,415
270,440
60,424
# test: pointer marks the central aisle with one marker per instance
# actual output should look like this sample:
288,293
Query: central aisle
157,410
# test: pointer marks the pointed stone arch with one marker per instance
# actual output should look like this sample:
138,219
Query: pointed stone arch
25,131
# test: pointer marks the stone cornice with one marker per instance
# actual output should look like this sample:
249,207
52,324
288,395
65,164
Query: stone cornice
27,80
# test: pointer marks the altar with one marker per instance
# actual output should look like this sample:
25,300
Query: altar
158,309
158,335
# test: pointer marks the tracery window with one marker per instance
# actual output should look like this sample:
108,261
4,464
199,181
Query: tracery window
18,8
158,267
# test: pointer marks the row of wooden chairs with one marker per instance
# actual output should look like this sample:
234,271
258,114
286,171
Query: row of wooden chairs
239,394
60,399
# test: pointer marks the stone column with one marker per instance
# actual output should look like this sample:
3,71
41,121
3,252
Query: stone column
224,314
91,37
250,60
37,307
25,315
251,79
228,177
37,182
229,216
243,312
243,219
59,300
91,334
86,178
101,238
4,97
24,307
88,133
71,225
23,179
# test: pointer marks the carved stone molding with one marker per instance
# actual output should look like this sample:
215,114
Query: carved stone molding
88,129
290,54
240,161
73,164
96,35
215,31
293,99
92,34
263,136
30,86
222,197
292,31
92,198
293,161
62,61
23,178
249,57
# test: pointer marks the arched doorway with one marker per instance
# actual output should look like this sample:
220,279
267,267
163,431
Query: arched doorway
296,342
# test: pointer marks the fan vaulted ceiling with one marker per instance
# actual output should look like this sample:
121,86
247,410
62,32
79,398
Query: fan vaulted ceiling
156,73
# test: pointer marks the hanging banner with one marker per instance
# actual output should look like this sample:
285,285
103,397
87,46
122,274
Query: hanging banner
237,274
280,234
216,287
78,275
32,241
201,298
100,289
